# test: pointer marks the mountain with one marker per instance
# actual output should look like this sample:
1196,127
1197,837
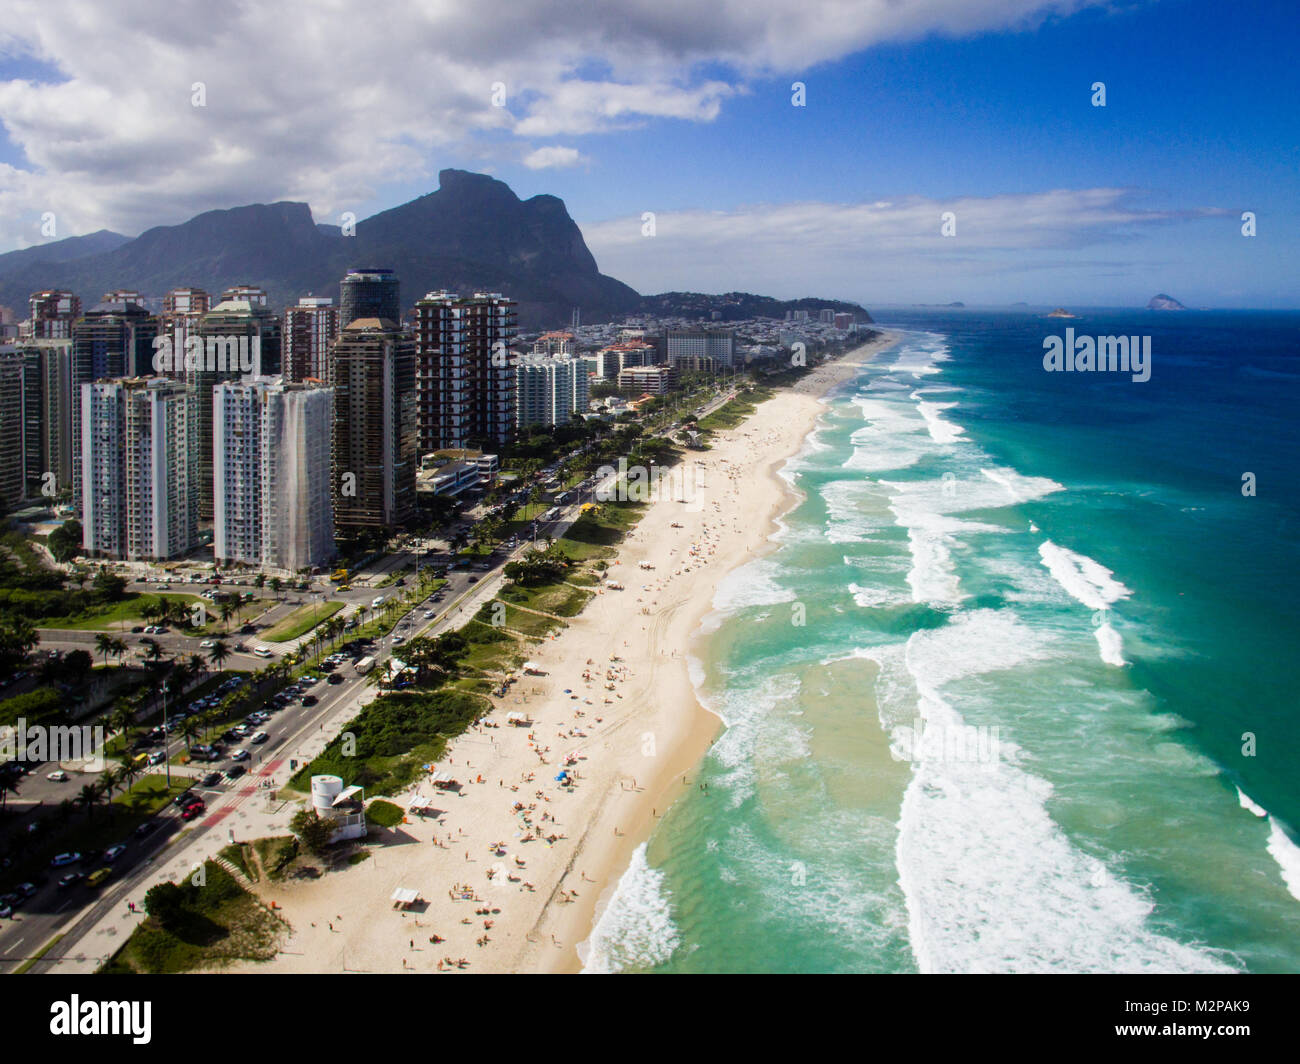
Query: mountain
736,306
472,234
59,251
1164,302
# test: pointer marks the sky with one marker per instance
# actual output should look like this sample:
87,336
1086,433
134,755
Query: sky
677,136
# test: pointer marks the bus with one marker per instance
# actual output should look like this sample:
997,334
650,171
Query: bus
364,666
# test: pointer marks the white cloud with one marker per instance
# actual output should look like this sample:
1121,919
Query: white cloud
894,247
552,158
327,101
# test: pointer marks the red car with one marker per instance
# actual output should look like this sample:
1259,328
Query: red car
192,812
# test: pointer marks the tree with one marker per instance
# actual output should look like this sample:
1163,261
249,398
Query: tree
18,636
108,584
118,649
153,650
227,611
276,584
218,654
90,796
259,581
128,773
8,786
104,645
65,541
313,831
76,664
165,902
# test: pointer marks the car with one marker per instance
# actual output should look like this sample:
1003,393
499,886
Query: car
58,776
247,629
309,700
70,880
210,780
309,680
6,912
192,812
145,829
473,579
334,678
429,615
398,639
240,755
114,852
97,877
235,771
137,629
27,890
241,730
62,859
263,652
183,799
157,757
259,737
207,644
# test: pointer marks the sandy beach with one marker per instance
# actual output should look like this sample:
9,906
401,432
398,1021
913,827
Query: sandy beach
615,705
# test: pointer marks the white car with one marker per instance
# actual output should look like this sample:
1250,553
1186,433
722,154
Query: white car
263,652
207,644
58,776
240,755
428,615
259,737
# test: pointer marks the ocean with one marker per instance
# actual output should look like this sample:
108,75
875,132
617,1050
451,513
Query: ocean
1014,690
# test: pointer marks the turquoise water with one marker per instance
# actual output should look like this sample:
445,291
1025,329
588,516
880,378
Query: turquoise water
985,700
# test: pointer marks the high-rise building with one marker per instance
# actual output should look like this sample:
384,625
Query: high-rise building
549,391
369,292
466,381
647,380
844,321
616,357
239,338
52,314
826,315
183,310
309,330
375,431
272,497
47,415
113,339
553,344
13,464
695,344
137,456
249,293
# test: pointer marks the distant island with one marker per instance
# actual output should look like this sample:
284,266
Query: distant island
1061,312
1164,302
957,304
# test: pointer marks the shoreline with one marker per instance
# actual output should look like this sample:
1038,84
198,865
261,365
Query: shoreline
615,703
674,779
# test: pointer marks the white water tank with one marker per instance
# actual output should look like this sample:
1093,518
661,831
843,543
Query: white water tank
324,789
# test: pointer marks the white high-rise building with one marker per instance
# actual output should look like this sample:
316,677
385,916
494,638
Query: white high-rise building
549,391
137,440
272,500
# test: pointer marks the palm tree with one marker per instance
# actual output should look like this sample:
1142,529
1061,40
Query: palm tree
276,584
153,649
108,781
128,773
118,648
218,654
197,665
227,611
259,581
190,731
122,716
90,796
104,645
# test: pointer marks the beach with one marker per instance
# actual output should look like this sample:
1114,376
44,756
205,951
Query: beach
510,871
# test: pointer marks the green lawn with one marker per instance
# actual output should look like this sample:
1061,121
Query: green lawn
302,620
125,610
217,922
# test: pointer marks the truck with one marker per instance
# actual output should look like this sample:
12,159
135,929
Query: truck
364,665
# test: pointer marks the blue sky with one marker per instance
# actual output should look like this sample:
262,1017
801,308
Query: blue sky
1200,124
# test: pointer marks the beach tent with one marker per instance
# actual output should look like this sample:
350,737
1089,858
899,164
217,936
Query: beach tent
404,897
420,803
532,666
